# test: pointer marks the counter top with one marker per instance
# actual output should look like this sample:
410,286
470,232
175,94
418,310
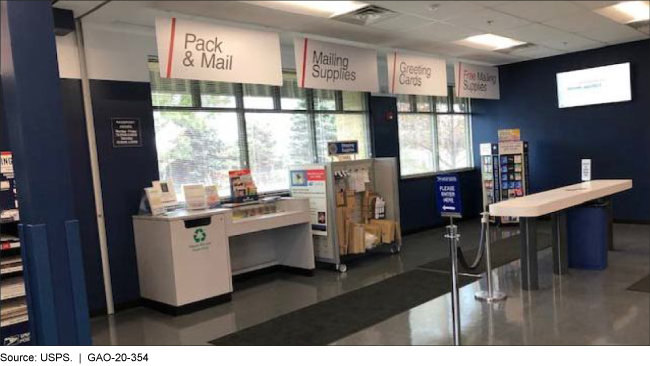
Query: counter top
183,215
546,202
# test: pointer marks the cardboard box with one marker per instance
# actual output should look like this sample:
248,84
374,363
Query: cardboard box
341,230
387,230
340,198
350,199
374,230
356,238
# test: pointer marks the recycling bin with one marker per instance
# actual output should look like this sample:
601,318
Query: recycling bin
588,235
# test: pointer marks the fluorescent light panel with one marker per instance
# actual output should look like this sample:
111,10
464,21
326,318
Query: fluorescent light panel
489,42
325,9
627,12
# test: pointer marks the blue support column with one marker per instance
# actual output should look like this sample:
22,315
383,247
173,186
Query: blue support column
32,102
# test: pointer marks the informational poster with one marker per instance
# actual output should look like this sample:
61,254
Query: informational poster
448,195
126,132
585,170
309,182
478,82
411,74
8,196
203,51
242,186
512,134
324,65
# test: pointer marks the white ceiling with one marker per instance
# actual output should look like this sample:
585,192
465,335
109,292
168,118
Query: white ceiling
553,27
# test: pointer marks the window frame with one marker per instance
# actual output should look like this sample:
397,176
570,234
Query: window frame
240,110
433,115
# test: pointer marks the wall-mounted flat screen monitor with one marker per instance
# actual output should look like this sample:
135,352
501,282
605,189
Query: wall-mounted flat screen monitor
598,85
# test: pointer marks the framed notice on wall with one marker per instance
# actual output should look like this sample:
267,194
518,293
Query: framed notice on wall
126,132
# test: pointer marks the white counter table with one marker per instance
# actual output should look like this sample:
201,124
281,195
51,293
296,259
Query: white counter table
186,259
554,202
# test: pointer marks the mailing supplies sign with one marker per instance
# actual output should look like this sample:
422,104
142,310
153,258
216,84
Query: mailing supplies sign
309,182
342,148
410,74
323,65
126,132
448,195
474,81
204,51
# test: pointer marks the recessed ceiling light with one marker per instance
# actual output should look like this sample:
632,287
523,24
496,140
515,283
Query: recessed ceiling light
489,42
627,11
434,7
326,9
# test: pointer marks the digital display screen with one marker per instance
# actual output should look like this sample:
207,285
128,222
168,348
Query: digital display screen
598,85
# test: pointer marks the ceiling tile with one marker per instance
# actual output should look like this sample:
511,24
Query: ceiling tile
438,31
401,23
539,11
571,43
580,22
533,32
488,21
536,51
595,4
493,58
444,10
614,33
490,4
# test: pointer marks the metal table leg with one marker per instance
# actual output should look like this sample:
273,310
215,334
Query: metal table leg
528,236
559,243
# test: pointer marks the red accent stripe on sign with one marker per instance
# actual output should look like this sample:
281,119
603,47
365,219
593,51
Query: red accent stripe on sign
304,64
457,87
170,57
394,64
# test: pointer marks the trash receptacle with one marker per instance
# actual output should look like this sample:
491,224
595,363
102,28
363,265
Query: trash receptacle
588,236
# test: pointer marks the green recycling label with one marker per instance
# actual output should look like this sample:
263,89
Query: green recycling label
200,236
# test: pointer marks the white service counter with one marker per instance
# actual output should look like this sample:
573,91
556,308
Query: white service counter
186,259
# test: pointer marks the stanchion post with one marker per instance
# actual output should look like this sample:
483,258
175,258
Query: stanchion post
452,235
490,295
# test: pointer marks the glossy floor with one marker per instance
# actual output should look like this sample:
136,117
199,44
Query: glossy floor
584,307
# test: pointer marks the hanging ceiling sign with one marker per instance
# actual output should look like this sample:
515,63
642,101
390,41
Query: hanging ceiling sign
323,65
410,74
474,81
203,51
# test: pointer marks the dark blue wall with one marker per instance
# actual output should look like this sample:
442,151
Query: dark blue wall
75,120
615,136
417,199
125,172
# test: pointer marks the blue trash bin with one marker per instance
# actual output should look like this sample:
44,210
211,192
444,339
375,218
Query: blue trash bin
588,235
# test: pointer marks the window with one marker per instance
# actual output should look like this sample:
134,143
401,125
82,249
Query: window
204,129
434,134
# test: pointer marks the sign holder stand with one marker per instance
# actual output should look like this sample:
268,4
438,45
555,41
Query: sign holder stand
453,237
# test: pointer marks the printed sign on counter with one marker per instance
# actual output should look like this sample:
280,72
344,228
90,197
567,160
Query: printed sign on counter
309,182
448,195
323,65
474,81
586,170
513,134
126,132
204,51
411,74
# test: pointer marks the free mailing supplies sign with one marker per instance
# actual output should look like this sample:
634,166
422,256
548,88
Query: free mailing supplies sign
411,74
203,51
323,65
478,82
448,195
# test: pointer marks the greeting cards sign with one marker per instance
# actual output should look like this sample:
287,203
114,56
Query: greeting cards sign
323,65
410,74
474,81
204,51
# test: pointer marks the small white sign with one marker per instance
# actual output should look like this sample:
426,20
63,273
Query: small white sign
411,74
486,149
204,51
323,65
195,198
474,81
586,170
